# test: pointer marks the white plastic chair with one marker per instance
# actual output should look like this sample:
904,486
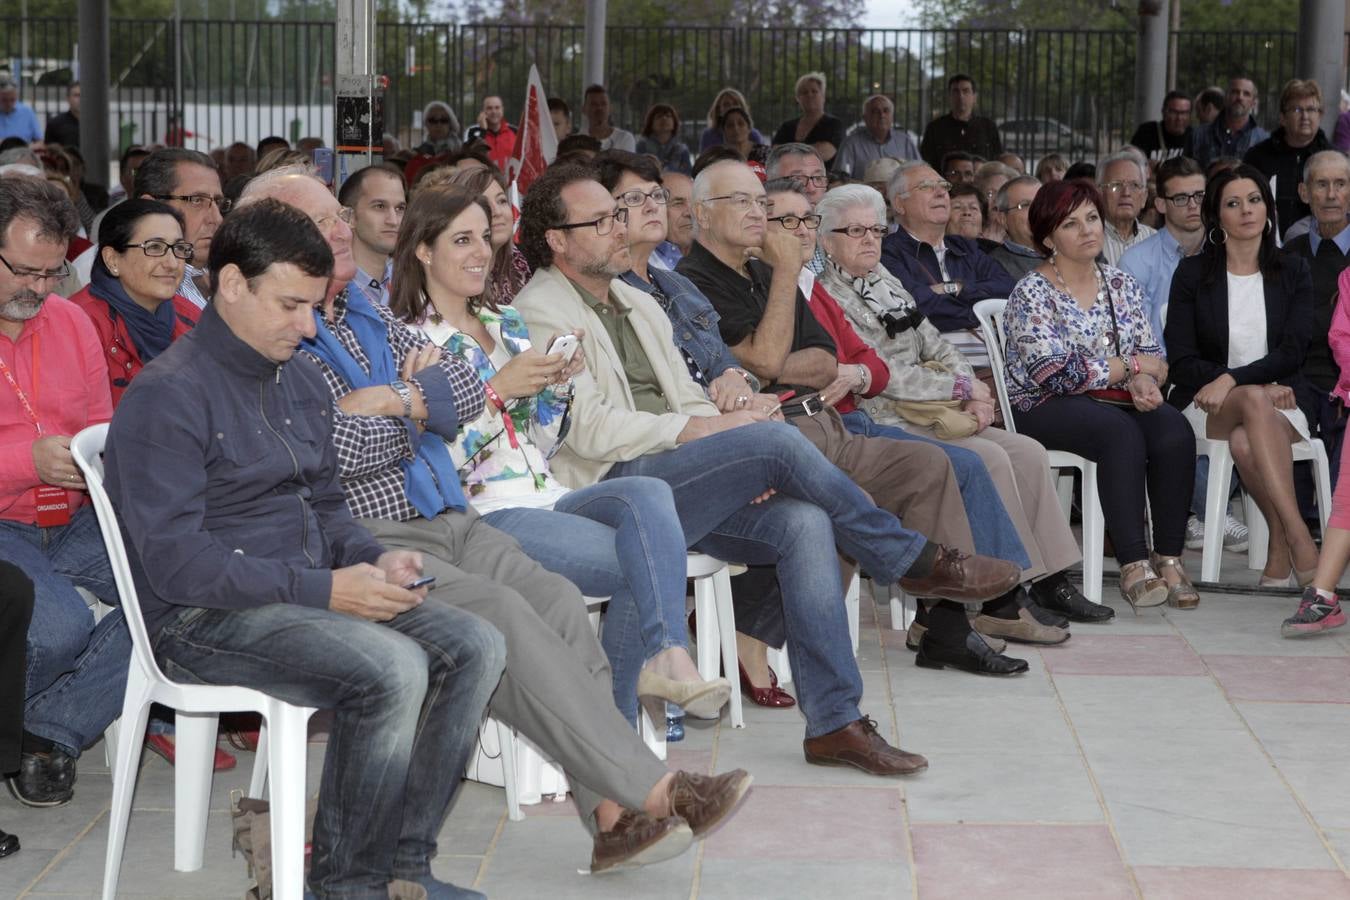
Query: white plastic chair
198,708
990,314
101,609
1216,502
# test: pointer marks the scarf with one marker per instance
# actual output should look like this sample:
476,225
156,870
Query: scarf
885,296
430,480
151,332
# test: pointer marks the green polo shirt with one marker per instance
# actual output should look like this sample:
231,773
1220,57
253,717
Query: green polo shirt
637,366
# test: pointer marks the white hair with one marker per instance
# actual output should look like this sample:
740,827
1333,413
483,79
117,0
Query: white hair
896,183
841,200
1126,155
702,188
818,77
1322,158
889,102
272,182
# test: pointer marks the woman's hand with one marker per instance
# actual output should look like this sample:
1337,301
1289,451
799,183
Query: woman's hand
982,410
577,364
1281,397
979,391
730,391
1210,397
1145,392
1153,365
526,374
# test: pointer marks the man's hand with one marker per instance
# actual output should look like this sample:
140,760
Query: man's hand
1210,397
1145,393
418,359
54,463
363,592
401,567
782,250
1280,396
727,390
526,374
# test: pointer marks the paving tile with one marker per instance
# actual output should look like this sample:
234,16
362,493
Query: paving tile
1178,883
1249,626
1012,862
473,821
823,823
977,786
54,829
773,754
18,870
1283,678
1123,655
722,879
1298,737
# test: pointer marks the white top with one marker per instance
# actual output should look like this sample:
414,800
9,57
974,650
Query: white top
1246,319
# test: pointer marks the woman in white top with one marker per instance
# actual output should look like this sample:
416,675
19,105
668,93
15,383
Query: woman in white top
623,538
1239,319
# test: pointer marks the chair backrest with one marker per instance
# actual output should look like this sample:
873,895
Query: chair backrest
990,314
87,448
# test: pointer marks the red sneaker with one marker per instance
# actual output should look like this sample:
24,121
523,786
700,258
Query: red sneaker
163,744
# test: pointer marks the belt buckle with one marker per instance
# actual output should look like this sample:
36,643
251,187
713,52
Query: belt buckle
812,405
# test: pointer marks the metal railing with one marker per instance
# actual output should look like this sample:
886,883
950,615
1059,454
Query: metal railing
242,80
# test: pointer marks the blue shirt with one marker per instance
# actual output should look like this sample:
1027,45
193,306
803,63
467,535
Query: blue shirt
377,289
1152,262
665,256
1341,240
860,148
21,123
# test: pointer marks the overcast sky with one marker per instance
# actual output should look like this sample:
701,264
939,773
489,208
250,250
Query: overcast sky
889,14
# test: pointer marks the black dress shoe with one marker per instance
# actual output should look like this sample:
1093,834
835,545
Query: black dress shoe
1056,594
975,657
44,779
9,843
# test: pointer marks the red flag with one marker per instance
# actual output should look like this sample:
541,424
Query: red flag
536,141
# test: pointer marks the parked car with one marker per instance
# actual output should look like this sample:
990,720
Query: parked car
1034,136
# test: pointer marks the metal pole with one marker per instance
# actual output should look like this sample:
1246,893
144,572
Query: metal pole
1173,40
594,65
354,64
1320,53
94,81
1150,60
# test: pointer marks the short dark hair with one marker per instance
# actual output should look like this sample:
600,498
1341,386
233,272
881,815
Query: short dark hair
1210,96
41,202
733,111
952,156
960,77
656,110
543,209
558,104
270,142
1175,95
594,89
611,164
158,174
970,190
1081,169
127,154
120,221
11,142
266,232
578,141
1053,204
351,188
1176,167
715,154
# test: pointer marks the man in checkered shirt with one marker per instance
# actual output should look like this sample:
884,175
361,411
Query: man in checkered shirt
556,689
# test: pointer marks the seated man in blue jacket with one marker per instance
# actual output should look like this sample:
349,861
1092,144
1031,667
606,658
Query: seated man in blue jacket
946,273
251,571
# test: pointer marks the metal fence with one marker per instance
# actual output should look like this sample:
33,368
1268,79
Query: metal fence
213,82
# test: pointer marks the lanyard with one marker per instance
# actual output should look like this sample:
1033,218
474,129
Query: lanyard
18,391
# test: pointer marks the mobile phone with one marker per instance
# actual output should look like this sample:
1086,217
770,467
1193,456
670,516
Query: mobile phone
425,581
566,344
786,396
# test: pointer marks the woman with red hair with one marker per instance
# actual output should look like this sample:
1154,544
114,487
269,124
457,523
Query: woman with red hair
1084,375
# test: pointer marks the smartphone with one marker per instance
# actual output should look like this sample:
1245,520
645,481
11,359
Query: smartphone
323,164
425,581
566,344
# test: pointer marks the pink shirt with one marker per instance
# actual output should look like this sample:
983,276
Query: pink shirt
71,394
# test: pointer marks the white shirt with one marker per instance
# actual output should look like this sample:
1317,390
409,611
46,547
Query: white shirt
1246,319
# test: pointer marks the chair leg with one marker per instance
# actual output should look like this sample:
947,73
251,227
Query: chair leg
1064,489
135,713
110,738
1094,536
899,608
194,757
286,758
653,732
1216,511
726,625
258,780
506,744
851,598
708,638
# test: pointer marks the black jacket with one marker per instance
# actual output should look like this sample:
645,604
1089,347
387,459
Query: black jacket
1275,157
1197,327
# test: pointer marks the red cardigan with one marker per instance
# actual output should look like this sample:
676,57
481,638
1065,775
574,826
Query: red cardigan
849,348
123,361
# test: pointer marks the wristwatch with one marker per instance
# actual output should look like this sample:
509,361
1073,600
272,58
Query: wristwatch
951,287
404,394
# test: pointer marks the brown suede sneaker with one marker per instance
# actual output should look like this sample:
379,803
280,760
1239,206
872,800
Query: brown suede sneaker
705,800
964,578
860,745
638,839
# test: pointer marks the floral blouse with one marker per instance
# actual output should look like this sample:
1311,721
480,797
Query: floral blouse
1054,346
495,474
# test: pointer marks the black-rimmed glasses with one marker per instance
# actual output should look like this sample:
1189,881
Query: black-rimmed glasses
33,274
200,201
791,222
153,247
603,225
638,198
1181,201
857,231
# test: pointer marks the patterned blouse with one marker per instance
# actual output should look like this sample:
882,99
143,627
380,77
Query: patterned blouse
495,474
1054,346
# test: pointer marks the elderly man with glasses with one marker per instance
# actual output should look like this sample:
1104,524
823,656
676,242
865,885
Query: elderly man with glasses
189,182
1011,204
1281,156
1123,180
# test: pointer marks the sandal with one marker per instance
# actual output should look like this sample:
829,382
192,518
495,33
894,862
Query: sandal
1150,590
1183,594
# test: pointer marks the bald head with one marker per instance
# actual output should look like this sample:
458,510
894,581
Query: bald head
729,207
295,186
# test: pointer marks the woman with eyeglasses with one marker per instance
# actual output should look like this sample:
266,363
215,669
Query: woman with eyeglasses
132,296
509,271
622,538
1239,319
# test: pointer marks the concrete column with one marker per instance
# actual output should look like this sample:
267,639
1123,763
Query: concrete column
1320,55
594,60
1150,67
95,80
355,71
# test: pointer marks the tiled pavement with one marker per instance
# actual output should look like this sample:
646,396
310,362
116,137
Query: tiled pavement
1187,755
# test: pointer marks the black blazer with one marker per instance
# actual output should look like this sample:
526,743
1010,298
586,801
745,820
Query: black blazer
1197,328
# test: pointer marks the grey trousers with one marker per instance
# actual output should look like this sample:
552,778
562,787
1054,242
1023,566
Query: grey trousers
556,688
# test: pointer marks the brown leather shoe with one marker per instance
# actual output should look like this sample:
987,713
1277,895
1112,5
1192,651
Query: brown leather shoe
638,839
860,745
705,800
968,579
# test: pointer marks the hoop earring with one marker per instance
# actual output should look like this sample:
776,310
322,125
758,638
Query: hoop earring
1269,225
1224,234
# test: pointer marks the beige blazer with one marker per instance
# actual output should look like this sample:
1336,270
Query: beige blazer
606,426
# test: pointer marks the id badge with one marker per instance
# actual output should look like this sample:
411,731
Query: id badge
53,508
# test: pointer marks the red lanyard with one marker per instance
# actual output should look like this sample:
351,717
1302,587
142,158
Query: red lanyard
18,391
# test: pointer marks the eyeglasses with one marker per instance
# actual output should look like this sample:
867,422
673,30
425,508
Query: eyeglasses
200,202
603,225
930,185
813,180
154,247
1180,201
345,214
742,202
1017,207
33,274
1304,110
857,231
1117,187
638,198
791,222
438,121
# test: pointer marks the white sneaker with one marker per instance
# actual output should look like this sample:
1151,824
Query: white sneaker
1234,535
1195,534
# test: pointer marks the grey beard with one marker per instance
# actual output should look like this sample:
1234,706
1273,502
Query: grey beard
21,309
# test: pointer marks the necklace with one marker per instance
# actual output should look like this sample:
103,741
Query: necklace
1096,275
1110,337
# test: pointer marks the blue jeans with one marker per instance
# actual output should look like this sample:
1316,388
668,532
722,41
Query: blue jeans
620,539
77,670
714,479
408,696
994,532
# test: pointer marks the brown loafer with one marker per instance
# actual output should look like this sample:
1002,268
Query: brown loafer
705,800
638,839
1022,630
916,633
860,745
965,578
